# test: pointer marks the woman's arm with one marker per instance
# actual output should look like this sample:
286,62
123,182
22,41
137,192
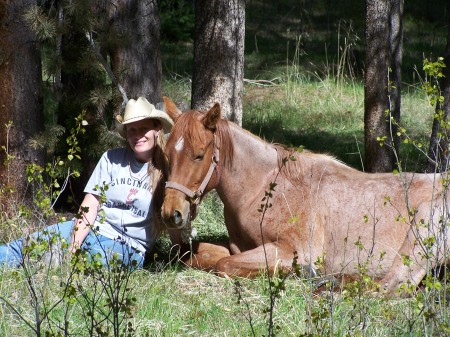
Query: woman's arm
88,211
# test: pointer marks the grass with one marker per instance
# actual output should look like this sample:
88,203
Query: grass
173,302
327,117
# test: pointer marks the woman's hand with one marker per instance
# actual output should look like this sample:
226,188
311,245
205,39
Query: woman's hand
86,217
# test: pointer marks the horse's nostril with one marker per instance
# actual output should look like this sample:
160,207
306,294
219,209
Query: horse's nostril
177,217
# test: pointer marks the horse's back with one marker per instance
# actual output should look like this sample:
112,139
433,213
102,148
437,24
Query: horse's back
354,217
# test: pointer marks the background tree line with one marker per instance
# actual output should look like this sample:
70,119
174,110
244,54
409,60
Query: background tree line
61,58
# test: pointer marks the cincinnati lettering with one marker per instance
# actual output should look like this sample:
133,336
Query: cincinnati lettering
129,182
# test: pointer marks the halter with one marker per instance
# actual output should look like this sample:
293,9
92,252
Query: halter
196,196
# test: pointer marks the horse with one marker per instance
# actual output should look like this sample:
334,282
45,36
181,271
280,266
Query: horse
282,205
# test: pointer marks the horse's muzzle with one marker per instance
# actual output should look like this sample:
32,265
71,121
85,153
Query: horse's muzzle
176,214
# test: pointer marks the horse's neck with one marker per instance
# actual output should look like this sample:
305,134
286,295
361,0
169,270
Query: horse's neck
253,163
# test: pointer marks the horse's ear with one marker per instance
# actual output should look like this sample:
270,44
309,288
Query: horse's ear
171,108
212,117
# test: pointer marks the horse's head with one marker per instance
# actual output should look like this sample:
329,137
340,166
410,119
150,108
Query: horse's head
193,155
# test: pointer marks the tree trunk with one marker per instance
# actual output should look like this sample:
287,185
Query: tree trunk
136,60
438,151
382,83
395,78
219,56
21,103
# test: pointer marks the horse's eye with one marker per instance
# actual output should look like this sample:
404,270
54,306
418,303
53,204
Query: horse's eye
199,156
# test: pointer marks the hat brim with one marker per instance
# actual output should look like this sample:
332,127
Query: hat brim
140,109
120,124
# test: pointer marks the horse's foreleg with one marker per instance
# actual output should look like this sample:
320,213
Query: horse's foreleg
410,266
205,255
254,262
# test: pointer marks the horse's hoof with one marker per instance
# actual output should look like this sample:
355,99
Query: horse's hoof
327,281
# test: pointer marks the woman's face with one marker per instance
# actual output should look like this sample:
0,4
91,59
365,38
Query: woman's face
141,136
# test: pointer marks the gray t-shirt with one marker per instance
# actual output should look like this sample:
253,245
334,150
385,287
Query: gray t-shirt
126,213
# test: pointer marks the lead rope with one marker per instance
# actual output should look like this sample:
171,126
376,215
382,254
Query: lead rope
187,234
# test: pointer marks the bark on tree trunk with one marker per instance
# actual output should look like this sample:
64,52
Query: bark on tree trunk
136,60
21,103
382,83
218,71
396,48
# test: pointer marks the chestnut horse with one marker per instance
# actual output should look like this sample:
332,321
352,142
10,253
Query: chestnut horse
333,217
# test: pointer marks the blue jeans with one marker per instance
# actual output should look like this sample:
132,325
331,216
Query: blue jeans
11,254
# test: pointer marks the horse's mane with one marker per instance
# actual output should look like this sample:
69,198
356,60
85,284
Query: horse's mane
185,128
291,161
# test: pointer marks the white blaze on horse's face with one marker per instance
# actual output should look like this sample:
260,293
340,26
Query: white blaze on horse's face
179,144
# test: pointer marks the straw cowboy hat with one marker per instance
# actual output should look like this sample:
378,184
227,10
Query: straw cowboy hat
140,109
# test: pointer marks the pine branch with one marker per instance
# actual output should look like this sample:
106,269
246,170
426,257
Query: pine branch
107,68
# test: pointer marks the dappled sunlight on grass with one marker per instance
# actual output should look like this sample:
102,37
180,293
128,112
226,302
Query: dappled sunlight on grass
328,117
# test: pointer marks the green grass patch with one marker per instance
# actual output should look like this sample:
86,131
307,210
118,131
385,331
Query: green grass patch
328,117
186,302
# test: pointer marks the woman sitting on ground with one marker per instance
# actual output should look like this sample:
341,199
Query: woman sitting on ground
120,212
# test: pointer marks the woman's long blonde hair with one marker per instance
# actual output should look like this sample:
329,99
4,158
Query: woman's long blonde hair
158,170
158,173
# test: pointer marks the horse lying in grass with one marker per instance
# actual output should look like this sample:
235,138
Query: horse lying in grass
279,203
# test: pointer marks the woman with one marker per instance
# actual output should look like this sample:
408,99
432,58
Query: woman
118,213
